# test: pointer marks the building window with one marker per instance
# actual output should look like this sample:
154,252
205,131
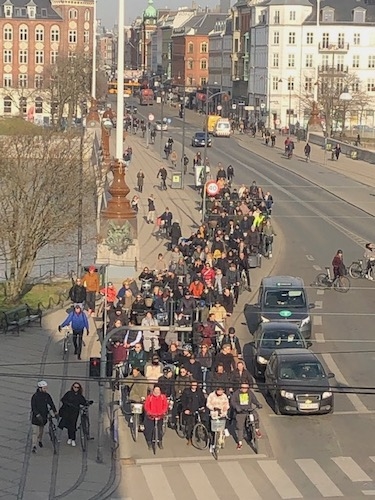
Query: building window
24,34
325,40
44,12
38,81
55,35
39,34
203,63
275,60
72,56
328,15
341,40
53,57
38,105
309,61
190,47
72,36
275,83
189,80
309,38
290,83
87,15
308,84
204,48
23,105
236,45
22,80
203,80
291,60
371,61
276,37
73,13
355,87
276,18
292,38
356,38
8,34
359,16
7,57
190,64
7,104
31,12
7,81
86,36
39,57
371,85
22,56
292,15
8,10
355,63
340,63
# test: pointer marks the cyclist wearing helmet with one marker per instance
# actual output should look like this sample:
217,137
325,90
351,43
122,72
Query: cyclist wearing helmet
41,404
187,350
166,382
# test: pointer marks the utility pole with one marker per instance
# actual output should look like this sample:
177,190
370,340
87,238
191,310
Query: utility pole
204,159
120,81
80,204
161,121
183,133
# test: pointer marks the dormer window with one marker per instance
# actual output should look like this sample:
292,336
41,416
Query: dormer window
359,15
31,12
328,15
8,10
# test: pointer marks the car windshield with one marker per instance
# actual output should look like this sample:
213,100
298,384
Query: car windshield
281,340
303,370
281,299
200,135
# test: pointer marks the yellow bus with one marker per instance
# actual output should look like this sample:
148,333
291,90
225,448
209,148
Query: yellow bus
129,87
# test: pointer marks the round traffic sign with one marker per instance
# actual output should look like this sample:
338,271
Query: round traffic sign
277,121
262,105
169,120
219,108
234,106
212,188
151,117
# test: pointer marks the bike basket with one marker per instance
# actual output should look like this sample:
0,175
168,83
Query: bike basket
137,408
218,424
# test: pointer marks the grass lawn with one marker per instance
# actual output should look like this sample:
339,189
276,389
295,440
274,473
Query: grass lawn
43,293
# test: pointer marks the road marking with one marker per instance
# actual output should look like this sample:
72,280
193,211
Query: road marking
368,493
320,292
317,320
318,304
198,482
319,337
316,267
309,257
280,481
145,461
319,478
338,413
351,469
355,400
157,482
237,478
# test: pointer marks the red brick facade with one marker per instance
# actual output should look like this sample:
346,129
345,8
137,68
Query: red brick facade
190,59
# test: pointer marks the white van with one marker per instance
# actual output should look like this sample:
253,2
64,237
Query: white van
222,128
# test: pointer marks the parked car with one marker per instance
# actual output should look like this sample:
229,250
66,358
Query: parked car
199,140
132,109
161,126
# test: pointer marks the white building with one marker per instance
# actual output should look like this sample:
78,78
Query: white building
292,49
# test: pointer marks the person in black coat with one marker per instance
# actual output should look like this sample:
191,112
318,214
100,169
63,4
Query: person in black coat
69,411
77,293
175,233
192,400
41,405
167,382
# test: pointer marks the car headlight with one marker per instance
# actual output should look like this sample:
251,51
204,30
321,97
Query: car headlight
286,394
265,320
305,321
261,360
326,394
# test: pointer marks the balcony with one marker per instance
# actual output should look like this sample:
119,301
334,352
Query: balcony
337,48
337,69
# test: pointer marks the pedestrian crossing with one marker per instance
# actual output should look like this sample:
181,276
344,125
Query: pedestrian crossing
250,479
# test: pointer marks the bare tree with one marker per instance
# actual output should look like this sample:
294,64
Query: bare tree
39,196
101,85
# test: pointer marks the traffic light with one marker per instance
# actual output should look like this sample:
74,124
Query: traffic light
94,371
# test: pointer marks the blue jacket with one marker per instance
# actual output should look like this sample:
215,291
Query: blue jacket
78,321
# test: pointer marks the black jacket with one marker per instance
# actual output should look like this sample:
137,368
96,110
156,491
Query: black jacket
226,360
196,370
243,378
40,402
217,379
167,386
192,400
77,294
69,410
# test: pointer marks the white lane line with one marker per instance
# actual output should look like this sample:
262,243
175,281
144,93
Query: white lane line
351,469
317,320
309,257
145,461
368,493
318,304
320,292
319,478
280,481
157,482
319,338
316,267
354,399
240,483
198,482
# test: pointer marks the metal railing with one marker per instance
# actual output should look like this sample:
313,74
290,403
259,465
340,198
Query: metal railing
45,267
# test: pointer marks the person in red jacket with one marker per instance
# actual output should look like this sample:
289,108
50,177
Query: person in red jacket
111,293
156,406
207,273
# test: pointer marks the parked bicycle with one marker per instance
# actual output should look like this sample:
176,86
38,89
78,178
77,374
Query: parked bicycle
84,425
358,269
325,280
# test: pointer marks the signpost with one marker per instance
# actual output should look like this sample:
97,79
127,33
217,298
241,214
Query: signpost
212,188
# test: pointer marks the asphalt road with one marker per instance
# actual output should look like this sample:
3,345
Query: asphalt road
314,223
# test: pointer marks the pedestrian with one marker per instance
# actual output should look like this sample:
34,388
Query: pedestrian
175,233
358,141
91,282
77,319
163,176
134,203
155,408
337,151
41,404
69,411
140,180
307,151
77,293
230,173
151,209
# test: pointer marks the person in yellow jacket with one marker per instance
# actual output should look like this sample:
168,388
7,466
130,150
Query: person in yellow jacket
91,282
258,218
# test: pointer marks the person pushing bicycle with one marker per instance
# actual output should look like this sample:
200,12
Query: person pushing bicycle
41,404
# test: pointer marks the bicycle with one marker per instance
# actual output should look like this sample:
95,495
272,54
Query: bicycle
243,281
66,344
52,431
324,281
84,425
168,416
136,410
358,270
250,430
217,427
155,436
200,436
180,426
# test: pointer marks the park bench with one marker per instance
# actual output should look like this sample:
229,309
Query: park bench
22,315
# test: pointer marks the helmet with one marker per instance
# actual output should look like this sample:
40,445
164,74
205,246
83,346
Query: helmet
42,383
187,347
168,369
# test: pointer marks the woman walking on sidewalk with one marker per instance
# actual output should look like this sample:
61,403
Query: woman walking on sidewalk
140,180
151,209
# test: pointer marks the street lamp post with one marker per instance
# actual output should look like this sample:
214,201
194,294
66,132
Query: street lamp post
120,81
204,158
183,132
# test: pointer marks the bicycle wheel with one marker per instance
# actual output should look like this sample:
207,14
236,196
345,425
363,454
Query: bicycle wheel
216,447
82,438
355,270
200,437
65,349
254,439
135,427
320,281
180,428
342,284
52,435
155,438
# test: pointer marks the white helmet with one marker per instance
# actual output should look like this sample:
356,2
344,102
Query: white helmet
42,383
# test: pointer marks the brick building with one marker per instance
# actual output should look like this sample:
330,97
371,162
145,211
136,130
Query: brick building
32,35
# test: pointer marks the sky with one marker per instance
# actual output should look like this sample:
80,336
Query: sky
107,9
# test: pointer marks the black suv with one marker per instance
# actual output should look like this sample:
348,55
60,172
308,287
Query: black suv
281,298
